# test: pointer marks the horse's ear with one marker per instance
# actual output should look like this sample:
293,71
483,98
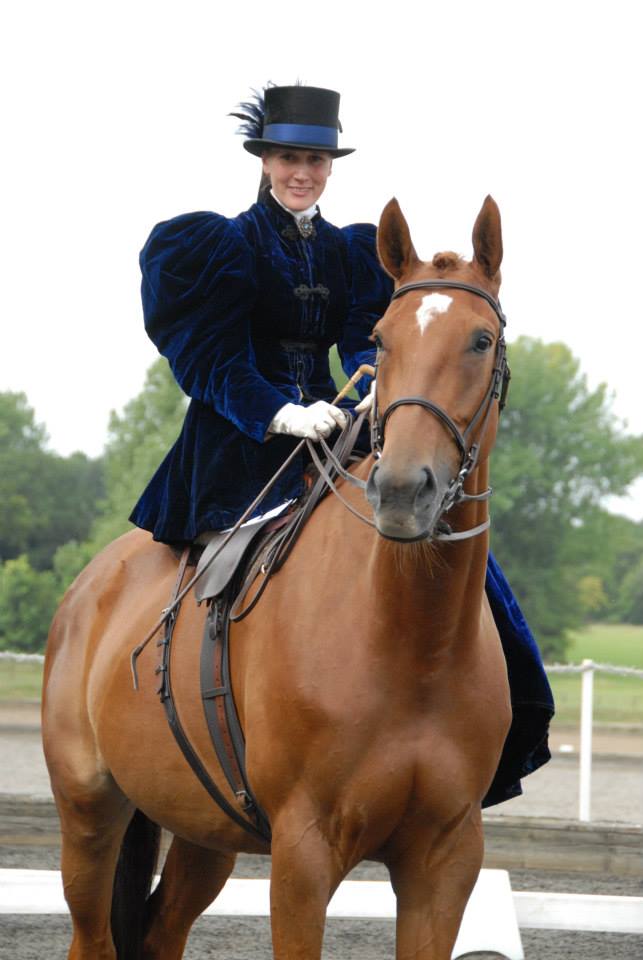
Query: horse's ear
394,245
487,238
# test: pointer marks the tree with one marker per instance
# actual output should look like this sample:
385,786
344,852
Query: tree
28,600
69,560
560,452
607,547
630,599
138,440
45,499
591,596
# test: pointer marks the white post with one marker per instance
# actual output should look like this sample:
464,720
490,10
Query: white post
586,711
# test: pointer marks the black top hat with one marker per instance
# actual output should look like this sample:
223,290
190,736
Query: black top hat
306,118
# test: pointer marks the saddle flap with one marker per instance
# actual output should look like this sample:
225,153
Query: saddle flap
220,572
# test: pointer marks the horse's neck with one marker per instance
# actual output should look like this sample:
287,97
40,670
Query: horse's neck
437,587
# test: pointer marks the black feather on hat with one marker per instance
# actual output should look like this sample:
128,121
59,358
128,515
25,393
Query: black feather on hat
254,112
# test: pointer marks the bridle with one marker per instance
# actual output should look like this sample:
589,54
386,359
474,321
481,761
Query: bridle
469,452
335,458
497,390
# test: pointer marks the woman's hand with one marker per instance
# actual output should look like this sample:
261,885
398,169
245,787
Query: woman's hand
313,422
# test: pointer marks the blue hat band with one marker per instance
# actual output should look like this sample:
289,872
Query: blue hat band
301,133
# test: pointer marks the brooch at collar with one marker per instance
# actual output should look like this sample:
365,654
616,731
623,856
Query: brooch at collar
306,227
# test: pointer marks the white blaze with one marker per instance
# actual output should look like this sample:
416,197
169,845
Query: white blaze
433,304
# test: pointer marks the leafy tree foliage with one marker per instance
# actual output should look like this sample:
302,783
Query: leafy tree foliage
591,596
45,499
28,600
69,560
560,452
608,547
138,440
630,597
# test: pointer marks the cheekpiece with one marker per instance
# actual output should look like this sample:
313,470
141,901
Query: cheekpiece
305,118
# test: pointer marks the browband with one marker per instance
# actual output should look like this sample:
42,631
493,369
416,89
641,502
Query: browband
456,285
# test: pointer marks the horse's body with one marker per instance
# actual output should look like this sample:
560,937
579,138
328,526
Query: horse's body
370,684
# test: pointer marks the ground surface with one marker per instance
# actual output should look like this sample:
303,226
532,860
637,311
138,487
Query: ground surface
617,796
219,938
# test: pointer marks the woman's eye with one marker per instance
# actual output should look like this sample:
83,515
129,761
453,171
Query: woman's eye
483,343
377,340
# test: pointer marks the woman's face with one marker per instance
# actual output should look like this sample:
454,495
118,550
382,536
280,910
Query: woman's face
297,177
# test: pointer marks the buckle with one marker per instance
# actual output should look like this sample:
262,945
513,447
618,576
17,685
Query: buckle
246,801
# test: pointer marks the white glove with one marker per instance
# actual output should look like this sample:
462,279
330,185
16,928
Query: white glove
317,420
366,405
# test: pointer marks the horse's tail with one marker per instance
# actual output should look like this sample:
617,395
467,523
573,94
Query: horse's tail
132,885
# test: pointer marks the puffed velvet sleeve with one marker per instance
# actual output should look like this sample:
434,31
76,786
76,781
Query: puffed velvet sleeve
371,289
198,290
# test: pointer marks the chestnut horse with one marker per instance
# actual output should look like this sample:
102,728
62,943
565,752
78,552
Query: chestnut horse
370,680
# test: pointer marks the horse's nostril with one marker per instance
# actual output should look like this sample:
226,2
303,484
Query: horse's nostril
372,493
430,482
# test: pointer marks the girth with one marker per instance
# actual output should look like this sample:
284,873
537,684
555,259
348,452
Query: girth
220,709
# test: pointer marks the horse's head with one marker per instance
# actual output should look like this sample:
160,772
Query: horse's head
440,371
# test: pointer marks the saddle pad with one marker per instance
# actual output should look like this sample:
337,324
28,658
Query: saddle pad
220,572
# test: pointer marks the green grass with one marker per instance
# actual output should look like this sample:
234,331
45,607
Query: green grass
616,699
20,681
618,643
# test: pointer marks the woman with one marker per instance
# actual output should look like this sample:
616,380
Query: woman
245,310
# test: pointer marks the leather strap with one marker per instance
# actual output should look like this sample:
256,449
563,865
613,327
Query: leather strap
453,285
167,699
221,713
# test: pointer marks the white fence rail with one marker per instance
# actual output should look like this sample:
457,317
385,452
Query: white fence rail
587,669
21,657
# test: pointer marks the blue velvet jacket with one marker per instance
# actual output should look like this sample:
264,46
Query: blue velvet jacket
245,311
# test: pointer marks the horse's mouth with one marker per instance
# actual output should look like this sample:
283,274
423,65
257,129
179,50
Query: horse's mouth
409,530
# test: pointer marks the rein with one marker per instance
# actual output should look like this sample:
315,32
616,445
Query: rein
497,390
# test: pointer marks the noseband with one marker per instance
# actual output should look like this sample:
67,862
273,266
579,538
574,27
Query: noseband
497,390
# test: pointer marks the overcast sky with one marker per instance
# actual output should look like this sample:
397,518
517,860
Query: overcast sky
114,118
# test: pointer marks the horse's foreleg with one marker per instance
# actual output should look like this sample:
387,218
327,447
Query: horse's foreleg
305,874
433,878
191,879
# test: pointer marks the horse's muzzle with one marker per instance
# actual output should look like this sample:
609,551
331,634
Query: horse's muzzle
406,503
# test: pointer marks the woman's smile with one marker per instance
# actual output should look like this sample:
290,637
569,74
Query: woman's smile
297,177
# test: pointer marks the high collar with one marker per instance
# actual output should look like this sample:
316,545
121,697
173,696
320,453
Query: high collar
297,214
284,213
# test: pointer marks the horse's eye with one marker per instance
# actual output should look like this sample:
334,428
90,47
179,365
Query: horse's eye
483,343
